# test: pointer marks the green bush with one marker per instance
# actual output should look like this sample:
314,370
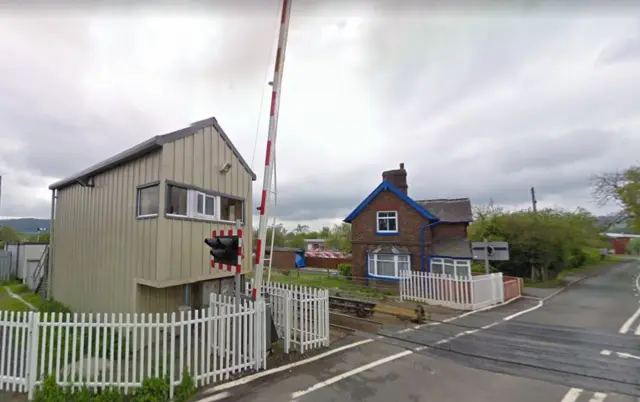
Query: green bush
546,242
345,270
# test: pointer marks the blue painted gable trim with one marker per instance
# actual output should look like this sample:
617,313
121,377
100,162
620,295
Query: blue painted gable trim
386,186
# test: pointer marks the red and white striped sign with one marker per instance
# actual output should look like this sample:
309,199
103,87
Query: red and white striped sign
228,267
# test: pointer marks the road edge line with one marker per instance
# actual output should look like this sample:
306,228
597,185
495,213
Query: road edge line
349,373
253,377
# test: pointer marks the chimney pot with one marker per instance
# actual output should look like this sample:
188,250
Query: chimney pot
397,177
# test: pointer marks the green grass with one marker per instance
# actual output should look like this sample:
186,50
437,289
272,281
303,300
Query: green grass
326,282
13,304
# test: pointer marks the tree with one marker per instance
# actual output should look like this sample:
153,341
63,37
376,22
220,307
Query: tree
340,237
622,188
301,229
8,235
634,246
542,244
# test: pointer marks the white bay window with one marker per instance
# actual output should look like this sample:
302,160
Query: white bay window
388,265
451,266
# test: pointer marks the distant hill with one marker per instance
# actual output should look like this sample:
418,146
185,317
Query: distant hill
26,225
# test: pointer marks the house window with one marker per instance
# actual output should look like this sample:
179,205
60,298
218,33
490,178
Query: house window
387,222
450,266
388,265
148,202
191,203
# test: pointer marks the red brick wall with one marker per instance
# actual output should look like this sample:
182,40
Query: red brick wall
620,244
283,259
364,231
326,263
513,287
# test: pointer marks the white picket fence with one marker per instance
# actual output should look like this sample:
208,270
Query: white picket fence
120,350
300,314
463,293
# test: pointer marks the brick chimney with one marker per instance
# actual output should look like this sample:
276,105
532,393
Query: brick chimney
397,177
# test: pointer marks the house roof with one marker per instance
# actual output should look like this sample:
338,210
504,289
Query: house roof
449,210
386,186
150,145
460,248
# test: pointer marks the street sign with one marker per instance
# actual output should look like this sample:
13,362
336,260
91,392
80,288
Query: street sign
492,250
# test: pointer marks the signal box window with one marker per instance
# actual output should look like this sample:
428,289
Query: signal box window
148,201
231,209
177,200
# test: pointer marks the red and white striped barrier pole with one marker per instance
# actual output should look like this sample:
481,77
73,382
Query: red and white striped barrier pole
271,143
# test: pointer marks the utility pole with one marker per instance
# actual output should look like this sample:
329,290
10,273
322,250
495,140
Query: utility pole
534,207
533,200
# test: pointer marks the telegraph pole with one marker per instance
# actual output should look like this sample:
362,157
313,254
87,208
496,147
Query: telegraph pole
533,200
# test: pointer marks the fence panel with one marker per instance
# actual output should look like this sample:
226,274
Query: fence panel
465,293
7,270
121,350
301,314
487,290
14,351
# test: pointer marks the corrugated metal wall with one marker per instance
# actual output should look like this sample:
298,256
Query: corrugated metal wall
99,246
196,160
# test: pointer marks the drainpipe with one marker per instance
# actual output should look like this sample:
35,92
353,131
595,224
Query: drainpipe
50,260
187,295
423,255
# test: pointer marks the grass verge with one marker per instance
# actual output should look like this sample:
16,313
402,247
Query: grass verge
559,280
324,281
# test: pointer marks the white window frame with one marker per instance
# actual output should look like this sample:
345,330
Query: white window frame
372,265
202,214
139,204
461,267
192,206
394,217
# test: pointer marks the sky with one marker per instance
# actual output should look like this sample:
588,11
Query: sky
477,100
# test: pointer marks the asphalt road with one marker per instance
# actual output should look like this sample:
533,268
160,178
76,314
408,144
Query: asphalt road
567,349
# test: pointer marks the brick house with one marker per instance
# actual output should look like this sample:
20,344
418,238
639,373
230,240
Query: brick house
392,232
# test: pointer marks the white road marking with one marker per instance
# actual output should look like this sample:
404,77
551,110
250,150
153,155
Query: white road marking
637,332
216,397
349,373
493,324
627,325
15,296
518,314
572,395
598,397
441,341
638,283
419,348
402,331
628,356
605,353
253,377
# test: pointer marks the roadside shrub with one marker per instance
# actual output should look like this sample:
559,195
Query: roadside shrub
153,389
345,270
187,387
